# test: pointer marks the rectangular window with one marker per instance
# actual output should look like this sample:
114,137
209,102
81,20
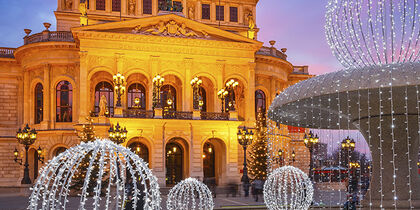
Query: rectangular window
100,4
220,13
177,4
116,5
205,11
147,7
233,14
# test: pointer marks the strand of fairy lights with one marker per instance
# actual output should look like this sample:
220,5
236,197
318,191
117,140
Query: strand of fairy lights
393,139
370,146
380,147
190,194
408,145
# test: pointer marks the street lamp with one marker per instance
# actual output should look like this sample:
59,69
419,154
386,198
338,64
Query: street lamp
222,96
245,138
119,87
293,156
310,141
157,83
280,157
196,84
348,145
117,134
230,86
27,137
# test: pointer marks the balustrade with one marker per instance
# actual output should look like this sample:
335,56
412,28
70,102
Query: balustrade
49,36
6,52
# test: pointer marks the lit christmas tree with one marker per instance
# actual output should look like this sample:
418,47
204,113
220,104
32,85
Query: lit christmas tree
257,161
87,134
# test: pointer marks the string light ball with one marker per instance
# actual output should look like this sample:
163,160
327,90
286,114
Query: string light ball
190,194
288,188
373,32
52,188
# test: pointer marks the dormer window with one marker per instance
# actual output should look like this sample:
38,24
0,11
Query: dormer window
233,14
205,11
220,13
147,7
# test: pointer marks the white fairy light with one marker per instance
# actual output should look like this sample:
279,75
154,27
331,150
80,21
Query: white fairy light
190,194
51,189
288,188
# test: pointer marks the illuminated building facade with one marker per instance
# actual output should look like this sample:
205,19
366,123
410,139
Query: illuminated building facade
56,78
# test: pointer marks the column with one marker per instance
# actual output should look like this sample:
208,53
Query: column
250,95
108,6
139,7
155,9
158,154
45,124
26,96
187,97
198,11
220,69
240,14
272,90
185,10
83,87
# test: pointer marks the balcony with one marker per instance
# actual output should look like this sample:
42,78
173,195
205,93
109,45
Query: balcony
49,36
214,115
6,52
177,115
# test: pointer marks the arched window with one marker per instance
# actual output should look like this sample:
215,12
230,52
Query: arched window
64,95
203,98
39,99
136,96
104,89
59,150
260,102
168,97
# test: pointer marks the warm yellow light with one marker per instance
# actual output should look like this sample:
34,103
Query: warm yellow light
174,149
210,150
138,149
204,156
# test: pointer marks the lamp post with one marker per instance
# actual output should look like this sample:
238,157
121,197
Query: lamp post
117,134
230,87
310,141
157,83
119,87
222,96
280,157
196,84
348,145
27,137
293,156
245,138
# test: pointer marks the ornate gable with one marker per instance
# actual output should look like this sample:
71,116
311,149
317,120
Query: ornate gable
170,25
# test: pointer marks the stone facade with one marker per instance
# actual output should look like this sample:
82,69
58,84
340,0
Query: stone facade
88,56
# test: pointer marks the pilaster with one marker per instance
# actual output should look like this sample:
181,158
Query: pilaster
26,93
213,12
220,69
83,87
45,124
187,101
124,6
250,95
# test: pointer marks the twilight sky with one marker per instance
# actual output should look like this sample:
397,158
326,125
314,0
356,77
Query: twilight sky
297,25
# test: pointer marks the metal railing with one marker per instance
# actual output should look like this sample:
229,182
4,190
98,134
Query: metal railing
177,115
138,113
6,52
49,36
214,115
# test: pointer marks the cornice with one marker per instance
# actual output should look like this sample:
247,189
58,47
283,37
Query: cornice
22,50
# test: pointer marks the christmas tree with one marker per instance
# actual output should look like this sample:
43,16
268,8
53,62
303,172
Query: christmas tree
257,161
87,134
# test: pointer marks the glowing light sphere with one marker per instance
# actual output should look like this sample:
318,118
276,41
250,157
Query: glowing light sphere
288,188
373,32
190,194
115,174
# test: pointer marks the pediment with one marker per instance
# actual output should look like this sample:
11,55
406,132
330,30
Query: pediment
169,25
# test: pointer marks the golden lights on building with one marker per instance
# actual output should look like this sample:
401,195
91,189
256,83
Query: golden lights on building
180,123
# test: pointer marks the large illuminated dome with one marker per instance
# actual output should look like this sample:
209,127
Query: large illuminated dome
373,32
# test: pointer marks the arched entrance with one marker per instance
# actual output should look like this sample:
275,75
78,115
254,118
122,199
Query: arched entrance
140,149
174,163
214,161
176,160
33,163
59,150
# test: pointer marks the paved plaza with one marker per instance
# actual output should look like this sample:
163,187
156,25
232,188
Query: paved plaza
329,199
